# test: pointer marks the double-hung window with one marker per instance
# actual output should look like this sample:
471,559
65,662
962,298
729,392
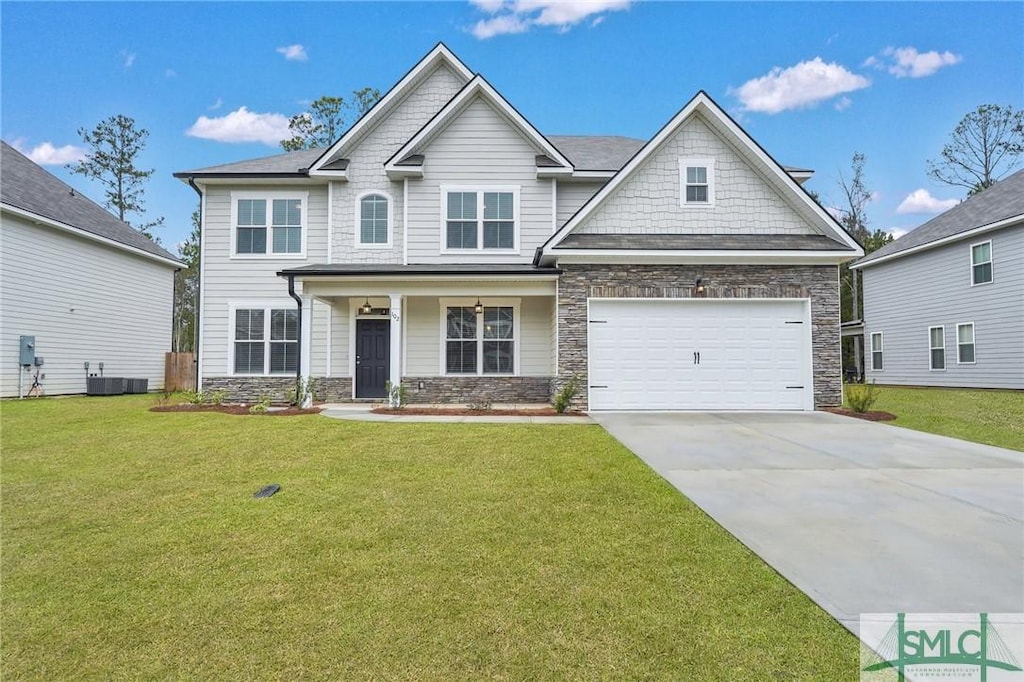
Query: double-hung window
937,347
965,343
483,343
374,220
481,219
266,340
267,225
981,263
697,182
876,351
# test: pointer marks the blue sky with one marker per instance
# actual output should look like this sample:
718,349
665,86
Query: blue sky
812,82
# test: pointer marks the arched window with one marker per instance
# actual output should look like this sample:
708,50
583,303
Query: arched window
374,222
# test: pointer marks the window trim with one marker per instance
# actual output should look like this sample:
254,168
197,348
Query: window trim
266,307
931,348
479,190
974,343
358,223
989,262
469,302
709,165
880,351
269,197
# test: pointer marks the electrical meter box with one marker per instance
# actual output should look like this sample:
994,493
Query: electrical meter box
27,351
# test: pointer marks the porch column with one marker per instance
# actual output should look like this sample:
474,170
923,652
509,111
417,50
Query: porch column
395,374
306,334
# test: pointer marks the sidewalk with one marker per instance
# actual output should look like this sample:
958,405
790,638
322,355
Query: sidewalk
364,412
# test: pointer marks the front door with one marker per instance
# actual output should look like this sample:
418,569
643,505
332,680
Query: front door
373,358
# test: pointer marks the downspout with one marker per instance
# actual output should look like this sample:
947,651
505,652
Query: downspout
199,279
298,339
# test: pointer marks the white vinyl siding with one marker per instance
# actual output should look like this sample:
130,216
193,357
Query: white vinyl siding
84,302
937,348
571,196
905,296
478,151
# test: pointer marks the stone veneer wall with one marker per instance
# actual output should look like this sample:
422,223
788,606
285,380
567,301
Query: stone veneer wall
817,282
279,388
477,389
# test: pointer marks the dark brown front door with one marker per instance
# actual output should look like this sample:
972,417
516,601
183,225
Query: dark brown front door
373,358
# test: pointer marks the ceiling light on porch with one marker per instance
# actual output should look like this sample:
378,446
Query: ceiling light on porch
479,307
366,308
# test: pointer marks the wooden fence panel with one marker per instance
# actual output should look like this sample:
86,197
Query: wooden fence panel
179,372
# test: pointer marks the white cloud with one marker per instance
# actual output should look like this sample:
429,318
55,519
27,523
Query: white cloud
898,232
127,58
293,53
46,154
216,105
519,16
908,62
921,201
843,103
798,86
242,125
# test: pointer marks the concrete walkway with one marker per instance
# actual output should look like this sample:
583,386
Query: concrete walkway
363,412
862,517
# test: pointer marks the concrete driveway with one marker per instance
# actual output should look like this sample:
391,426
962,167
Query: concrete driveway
862,517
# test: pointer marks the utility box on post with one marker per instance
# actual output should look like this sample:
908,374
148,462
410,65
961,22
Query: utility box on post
27,351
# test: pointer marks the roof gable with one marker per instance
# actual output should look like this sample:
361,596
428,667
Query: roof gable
438,57
30,189
703,109
477,89
999,205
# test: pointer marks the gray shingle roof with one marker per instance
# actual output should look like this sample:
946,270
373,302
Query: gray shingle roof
597,152
27,186
290,162
1003,200
765,242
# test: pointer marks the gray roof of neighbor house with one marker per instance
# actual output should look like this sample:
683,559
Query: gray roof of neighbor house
1003,200
294,163
25,185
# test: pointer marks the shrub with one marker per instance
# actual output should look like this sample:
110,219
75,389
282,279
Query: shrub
397,395
481,404
563,399
261,406
217,398
194,397
860,397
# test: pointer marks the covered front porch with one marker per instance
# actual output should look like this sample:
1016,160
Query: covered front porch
444,334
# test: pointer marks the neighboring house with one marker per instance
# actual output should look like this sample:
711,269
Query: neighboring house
87,286
944,303
445,243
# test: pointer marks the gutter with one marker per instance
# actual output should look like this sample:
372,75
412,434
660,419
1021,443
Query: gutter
298,337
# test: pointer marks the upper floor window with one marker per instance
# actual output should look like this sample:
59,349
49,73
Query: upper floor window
981,263
697,182
374,220
265,340
481,219
265,225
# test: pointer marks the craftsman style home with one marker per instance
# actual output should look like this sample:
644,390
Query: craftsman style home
447,245
944,303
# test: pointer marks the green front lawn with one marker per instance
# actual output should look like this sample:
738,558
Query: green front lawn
132,547
982,416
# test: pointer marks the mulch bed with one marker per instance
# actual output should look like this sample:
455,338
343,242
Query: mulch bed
234,409
466,412
869,416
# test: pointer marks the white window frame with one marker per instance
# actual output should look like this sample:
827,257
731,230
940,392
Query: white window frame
709,166
269,197
974,343
931,348
480,190
358,236
992,268
880,351
517,338
266,307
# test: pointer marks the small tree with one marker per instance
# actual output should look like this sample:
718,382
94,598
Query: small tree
985,146
326,119
186,291
114,144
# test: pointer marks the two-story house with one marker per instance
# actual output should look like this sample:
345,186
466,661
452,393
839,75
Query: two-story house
944,303
444,243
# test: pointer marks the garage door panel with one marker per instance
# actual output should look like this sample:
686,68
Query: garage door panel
750,354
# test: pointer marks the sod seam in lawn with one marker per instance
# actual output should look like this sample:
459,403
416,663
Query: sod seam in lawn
132,547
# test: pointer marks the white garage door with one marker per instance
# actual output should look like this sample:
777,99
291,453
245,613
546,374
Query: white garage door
699,355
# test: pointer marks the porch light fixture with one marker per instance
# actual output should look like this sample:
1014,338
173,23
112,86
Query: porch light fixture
366,308
479,307
698,287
